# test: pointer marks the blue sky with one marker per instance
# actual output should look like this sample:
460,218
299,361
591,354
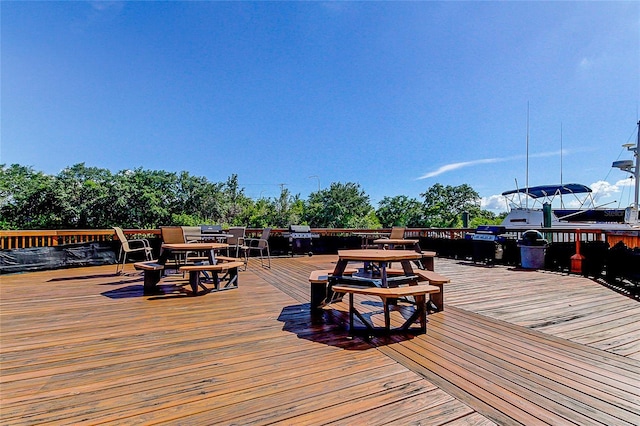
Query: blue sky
396,96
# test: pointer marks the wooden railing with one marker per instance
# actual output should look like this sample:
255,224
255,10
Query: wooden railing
50,238
47,238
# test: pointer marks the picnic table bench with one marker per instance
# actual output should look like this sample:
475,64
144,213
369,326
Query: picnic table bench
228,269
389,294
319,280
152,272
431,277
227,266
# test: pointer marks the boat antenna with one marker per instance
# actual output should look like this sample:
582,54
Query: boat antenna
527,171
632,166
637,168
561,182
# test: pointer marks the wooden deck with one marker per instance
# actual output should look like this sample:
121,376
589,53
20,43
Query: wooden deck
82,346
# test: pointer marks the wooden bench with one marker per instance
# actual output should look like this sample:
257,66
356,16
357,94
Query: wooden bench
229,269
152,273
233,259
318,280
387,294
433,278
228,259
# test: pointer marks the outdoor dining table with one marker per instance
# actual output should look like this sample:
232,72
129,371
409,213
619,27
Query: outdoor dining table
380,259
368,238
392,242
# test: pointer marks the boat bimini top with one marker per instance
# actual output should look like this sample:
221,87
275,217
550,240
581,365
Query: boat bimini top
549,192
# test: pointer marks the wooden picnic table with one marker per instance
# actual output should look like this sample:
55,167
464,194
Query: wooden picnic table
379,259
154,270
392,242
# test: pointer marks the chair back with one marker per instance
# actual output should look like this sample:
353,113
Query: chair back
172,234
122,238
397,233
235,235
264,237
192,233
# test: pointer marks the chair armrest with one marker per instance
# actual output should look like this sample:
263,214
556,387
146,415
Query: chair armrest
257,240
145,242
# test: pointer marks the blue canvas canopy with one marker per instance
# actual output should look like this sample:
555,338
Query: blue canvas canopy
551,190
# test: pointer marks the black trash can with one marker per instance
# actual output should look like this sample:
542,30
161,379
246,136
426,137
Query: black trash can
532,249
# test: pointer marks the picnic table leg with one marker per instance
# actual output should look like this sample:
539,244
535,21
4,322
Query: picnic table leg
151,279
351,311
438,298
216,280
421,303
387,316
337,272
406,267
233,277
194,281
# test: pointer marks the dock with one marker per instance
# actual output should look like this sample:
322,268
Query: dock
84,346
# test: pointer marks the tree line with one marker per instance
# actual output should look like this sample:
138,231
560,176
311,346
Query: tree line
81,197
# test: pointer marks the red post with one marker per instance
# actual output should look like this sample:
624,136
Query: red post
576,259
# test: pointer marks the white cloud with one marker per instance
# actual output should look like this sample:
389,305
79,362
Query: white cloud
493,202
625,182
603,189
455,166
585,63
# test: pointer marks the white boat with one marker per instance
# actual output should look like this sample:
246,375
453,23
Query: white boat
542,214
521,215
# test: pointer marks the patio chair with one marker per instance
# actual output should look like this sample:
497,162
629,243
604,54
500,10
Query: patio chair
236,241
260,244
397,233
130,246
192,234
174,235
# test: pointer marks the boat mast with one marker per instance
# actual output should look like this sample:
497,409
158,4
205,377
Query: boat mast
527,171
561,183
633,167
636,173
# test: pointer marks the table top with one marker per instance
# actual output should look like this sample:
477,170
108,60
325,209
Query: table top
398,241
379,255
195,246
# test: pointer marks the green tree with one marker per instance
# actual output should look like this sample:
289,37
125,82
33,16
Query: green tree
444,204
147,198
28,199
339,206
486,217
286,210
234,202
86,197
400,211
197,200
257,214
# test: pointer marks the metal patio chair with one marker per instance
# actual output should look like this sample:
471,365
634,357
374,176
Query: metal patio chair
130,246
260,244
